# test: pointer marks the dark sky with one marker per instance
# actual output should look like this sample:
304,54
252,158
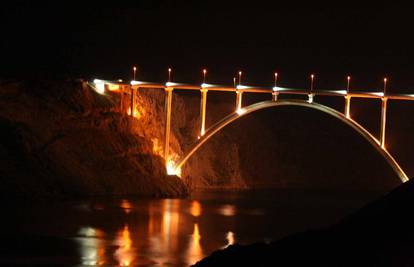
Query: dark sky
331,41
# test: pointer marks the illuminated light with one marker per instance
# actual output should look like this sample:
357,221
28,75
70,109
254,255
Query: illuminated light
231,239
311,85
170,84
96,81
342,92
135,72
385,85
198,137
241,87
240,76
377,93
136,82
120,80
172,170
234,81
169,74
227,210
99,86
241,111
204,75
348,81
206,85
195,209
113,87
135,112
277,88
276,75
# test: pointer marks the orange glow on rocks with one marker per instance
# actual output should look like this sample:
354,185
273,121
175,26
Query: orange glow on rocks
113,87
157,148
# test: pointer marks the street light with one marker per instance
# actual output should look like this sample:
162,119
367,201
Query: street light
385,85
311,85
204,75
169,74
135,72
348,81
275,79
240,75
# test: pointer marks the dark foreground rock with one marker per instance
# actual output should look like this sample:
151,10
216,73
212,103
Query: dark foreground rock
380,234
64,139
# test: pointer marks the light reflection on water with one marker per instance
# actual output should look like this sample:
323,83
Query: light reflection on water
161,241
195,251
125,253
175,232
92,246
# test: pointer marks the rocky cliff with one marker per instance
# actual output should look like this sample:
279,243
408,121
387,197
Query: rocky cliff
62,138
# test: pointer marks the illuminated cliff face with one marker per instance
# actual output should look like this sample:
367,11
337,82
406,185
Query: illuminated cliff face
87,146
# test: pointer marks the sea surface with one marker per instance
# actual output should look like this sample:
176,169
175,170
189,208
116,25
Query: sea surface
130,231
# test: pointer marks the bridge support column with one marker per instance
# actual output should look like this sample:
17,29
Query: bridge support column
131,106
203,106
121,105
275,95
239,100
347,107
310,97
383,121
168,103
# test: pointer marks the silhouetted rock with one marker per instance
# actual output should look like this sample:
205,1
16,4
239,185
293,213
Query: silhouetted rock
380,234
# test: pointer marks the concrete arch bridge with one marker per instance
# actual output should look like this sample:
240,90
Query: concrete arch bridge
173,168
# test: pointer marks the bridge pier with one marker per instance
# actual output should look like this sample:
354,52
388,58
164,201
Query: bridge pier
168,104
132,103
275,95
310,97
383,121
239,100
347,106
203,106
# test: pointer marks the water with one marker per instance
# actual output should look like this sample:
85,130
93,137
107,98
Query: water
161,232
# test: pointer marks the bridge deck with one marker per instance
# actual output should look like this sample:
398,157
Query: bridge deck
267,90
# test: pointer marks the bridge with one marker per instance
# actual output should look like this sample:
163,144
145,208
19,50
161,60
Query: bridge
174,168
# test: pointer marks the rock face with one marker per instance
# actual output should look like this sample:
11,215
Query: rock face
62,138
380,234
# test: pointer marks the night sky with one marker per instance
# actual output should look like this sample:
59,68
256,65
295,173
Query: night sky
332,41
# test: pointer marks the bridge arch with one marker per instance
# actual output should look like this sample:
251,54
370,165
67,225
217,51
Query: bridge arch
269,104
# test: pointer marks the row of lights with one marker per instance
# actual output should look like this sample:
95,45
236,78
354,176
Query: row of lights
239,86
